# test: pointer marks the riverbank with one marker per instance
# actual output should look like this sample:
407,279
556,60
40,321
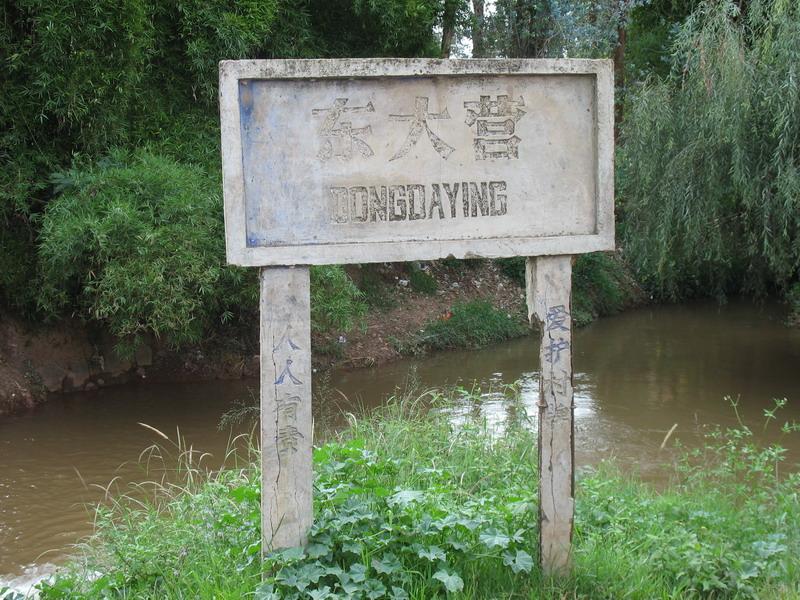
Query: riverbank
410,505
408,309
637,375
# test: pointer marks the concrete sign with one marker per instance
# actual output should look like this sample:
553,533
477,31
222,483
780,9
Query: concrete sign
380,160
338,161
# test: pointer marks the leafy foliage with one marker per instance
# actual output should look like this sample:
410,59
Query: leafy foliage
336,302
138,243
472,324
409,505
421,280
709,167
84,77
601,285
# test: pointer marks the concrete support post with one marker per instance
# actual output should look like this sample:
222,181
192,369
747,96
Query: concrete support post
286,424
549,281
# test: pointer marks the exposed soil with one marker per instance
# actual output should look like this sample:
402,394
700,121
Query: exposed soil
37,360
386,329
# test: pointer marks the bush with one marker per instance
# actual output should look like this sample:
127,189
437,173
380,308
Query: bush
420,280
793,297
137,243
470,325
336,302
377,292
513,268
83,76
600,286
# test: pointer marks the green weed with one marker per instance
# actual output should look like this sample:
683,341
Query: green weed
470,325
409,504
377,292
420,280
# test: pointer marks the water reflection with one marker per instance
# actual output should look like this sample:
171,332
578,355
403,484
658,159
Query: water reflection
636,375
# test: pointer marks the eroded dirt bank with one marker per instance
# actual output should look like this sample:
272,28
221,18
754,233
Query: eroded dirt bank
37,360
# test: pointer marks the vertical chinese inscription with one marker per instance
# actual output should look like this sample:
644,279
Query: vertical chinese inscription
495,122
549,280
286,427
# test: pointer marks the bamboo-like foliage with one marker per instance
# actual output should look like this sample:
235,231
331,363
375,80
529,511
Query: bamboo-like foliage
710,164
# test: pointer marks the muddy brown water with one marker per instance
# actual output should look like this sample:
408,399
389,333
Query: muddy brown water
636,375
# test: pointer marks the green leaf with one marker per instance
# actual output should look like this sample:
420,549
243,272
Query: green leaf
244,494
292,578
358,572
405,497
398,593
266,591
317,550
352,548
387,565
521,562
374,589
492,538
320,594
288,555
432,553
312,572
452,582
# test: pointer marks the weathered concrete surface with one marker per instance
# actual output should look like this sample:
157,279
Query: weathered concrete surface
549,282
286,425
381,160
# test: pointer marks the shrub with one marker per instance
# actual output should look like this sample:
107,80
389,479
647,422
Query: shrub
336,302
377,293
470,325
420,280
793,296
137,243
600,286
513,268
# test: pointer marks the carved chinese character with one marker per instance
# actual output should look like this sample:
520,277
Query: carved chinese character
288,438
556,385
554,349
419,123
287,373
287,407
286,339
556,318
495,122
342,138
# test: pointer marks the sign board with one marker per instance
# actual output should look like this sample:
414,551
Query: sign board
353,161
381,160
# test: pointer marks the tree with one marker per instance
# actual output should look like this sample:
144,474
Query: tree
87,80
709,165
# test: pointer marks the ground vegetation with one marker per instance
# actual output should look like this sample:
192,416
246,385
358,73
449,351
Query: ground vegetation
411,503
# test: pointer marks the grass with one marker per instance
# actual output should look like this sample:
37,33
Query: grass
420,280
472,324
410,505
602,284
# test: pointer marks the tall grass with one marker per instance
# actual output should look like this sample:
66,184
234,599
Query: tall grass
410,505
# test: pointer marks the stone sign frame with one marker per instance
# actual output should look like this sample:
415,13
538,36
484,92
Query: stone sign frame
286,422
231,72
